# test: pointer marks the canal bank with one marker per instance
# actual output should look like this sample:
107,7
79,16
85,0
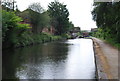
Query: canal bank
106,59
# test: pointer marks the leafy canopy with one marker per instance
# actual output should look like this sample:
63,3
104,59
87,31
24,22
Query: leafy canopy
11,27
59,14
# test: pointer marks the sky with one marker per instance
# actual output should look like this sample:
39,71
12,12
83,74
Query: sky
80,11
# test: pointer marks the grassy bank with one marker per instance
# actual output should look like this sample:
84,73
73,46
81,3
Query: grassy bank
111,41
108,37
31,39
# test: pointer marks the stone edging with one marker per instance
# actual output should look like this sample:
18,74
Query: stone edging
100,74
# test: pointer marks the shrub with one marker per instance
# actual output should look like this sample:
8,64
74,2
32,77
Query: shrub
12,30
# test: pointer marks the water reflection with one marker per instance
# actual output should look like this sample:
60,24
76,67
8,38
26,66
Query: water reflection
72,59
80,60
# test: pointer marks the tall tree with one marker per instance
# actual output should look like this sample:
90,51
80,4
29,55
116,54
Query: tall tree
8,4
107,18
59,14
36,7
39,17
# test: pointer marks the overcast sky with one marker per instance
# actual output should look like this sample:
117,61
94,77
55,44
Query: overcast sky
80,11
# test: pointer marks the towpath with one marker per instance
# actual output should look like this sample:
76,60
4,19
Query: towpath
106,59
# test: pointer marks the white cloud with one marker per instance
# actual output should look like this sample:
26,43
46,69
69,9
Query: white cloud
80,11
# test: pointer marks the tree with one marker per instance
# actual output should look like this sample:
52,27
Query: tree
71,25
8,5
45,22
11,28
39,18
59,14
107,18
36,7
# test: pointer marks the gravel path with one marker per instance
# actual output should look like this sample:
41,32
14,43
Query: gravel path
107,56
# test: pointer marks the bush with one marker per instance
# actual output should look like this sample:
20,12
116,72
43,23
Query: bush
29,38
12,30
16,34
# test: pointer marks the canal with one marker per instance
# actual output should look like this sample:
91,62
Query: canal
70,59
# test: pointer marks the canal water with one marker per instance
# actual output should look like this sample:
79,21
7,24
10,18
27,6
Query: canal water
71,59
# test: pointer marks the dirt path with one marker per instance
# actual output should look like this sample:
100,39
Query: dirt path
107,59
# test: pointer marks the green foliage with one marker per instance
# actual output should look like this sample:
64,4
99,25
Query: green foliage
16,34
9,21
38,17
29,39
66,36
107,18
45,20
35,19
11,28
71,25
59,14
